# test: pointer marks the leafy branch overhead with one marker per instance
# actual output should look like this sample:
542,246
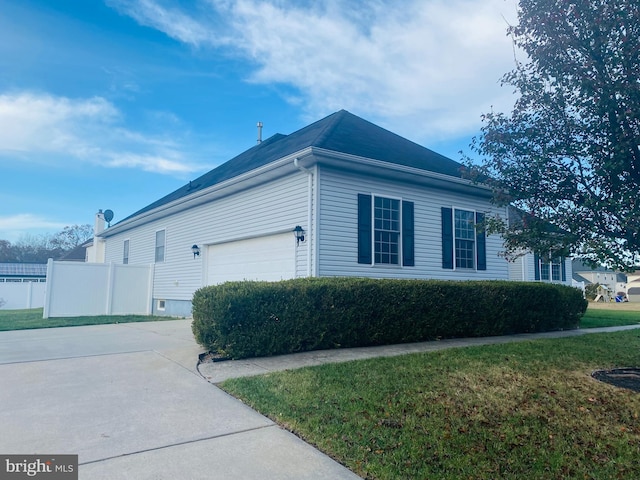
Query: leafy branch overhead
569,152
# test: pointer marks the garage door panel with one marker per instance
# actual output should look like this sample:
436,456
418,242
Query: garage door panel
268,258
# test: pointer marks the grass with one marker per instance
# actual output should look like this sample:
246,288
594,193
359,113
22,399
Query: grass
610,315
32,318
512,411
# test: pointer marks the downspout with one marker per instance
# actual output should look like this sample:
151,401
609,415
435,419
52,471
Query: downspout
311,233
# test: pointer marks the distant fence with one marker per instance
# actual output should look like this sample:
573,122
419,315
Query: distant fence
82,289
20,295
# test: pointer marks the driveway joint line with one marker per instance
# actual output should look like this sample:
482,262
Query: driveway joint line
186,442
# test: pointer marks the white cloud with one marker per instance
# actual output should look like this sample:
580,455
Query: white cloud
432,67
44,128
14,227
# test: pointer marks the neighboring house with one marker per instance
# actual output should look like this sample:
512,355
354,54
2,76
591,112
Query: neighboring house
78,254
22,285
633,286
614,282
364,202
23,272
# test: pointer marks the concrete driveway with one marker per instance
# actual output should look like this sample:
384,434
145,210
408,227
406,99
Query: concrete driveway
128,400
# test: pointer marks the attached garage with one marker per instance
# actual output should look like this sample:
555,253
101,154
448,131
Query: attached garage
269,258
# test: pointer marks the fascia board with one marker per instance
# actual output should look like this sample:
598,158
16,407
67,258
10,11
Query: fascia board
402,172
241,182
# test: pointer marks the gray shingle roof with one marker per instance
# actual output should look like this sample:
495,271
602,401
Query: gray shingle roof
339,132
23,269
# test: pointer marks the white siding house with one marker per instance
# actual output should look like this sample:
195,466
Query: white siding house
369,202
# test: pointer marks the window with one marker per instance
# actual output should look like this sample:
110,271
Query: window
550,270
465,233
160,239
463,241
125,253
385,231
161,305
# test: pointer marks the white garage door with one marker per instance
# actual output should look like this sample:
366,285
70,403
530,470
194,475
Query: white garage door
268,258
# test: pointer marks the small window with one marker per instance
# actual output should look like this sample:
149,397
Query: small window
125,253
161,305
160,241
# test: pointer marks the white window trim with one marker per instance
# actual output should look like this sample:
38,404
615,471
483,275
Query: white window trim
373,232
475,240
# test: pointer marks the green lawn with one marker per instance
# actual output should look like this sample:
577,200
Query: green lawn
609,316
513,411
26,319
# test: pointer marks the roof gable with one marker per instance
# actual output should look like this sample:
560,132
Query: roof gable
340,132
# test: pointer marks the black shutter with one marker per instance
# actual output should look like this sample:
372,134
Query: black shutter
364,228
408,259
481,244
447,238
536,266
564,269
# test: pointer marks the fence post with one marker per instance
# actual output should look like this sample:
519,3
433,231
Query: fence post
110,280
150,289
47,289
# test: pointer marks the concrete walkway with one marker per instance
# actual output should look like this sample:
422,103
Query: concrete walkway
217,372
129,401
132,402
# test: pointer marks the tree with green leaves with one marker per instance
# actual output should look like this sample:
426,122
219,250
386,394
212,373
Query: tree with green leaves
568,155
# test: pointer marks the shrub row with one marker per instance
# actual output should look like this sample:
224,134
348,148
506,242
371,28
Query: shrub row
247,319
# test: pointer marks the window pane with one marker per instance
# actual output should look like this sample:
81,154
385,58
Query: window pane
386,230
125,254
464,254
160,246
465,234
544,271
555,269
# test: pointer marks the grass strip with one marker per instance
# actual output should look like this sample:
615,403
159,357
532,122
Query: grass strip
512,411
32,318
595,318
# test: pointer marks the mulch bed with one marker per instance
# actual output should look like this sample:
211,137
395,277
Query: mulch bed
620,377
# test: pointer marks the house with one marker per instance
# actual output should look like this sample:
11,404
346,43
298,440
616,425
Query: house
339,197
633,286
612,282
22,285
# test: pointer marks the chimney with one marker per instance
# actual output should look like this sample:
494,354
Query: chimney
259,125
98,226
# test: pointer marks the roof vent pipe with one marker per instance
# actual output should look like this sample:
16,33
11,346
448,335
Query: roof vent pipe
259,125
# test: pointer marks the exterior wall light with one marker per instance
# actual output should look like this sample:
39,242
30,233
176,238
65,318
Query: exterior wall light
299,233
196,251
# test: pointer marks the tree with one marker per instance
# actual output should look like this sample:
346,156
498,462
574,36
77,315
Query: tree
71,237
38,249
568,154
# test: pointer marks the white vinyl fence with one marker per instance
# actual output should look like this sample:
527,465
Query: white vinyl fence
20,295
82,289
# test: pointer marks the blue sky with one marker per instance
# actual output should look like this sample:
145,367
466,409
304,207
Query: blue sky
115,103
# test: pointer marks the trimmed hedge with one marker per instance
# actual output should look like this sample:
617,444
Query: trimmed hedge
252,319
